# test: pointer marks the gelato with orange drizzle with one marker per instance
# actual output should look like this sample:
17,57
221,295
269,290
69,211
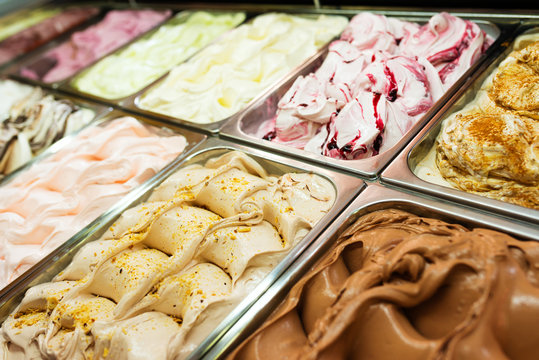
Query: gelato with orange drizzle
171,268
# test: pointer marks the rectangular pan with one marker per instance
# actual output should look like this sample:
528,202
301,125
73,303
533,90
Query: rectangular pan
242,127
132,103
193,141
401,172
346,187
15,70
374,197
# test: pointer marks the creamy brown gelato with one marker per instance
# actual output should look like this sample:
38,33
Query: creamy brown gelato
491,147
399,286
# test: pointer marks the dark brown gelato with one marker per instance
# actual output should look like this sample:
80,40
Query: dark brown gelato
399,286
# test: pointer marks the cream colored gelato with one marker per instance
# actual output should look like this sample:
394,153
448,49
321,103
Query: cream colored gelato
124,73
171,268
224,77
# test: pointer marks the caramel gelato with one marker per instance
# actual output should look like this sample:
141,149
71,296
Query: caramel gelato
491,146
170,269
399,286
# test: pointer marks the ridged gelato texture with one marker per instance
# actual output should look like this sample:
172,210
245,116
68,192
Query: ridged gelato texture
49,202
31,120
224,77
23,19
51,27
124,73
117,28
491,146
376,82
400,286
171,268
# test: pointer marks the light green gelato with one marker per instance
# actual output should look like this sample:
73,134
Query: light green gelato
23,19
129,70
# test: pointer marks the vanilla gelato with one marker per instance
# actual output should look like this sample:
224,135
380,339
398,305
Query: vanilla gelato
224,77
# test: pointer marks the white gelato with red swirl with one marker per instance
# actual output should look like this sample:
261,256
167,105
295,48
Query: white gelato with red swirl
376,82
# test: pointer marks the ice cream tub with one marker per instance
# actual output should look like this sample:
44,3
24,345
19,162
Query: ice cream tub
118,77
416,167
306,128
216,84
57,61
374,198
280,197
34,118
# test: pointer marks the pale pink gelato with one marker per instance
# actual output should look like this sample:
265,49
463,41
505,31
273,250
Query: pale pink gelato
376,82
84,47
48,203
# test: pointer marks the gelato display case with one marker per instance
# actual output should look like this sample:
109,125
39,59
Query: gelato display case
235,180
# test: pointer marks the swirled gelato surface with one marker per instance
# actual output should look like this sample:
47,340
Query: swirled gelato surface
376,82
491,146
124,73
33,122
52,25
223,78
171,268
397,285
47,203
117,28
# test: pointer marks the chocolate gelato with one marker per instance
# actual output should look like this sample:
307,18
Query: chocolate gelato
399,286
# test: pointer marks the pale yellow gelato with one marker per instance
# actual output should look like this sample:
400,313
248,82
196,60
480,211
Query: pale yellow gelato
224,77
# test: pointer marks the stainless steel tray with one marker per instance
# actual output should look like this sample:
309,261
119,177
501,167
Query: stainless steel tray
243,127
346,187
132,103
401,172
374,197
14,70
193,140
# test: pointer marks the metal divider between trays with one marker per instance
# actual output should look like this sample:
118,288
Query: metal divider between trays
400,173
346,187
375,197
